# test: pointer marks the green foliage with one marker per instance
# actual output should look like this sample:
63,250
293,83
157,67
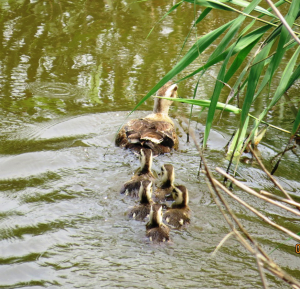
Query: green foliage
239,46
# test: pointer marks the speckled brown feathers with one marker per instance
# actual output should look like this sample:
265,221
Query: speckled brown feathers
156,231
132,186
156,131
179,213
166,185
141,211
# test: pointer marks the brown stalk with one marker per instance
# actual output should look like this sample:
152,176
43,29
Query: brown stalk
275,182
266,219
287,26
263,259
252,192
269,195
224,202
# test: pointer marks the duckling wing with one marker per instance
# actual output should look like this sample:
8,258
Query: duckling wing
139,212
131,188
161,193
160,136
158,234
153,136
177,217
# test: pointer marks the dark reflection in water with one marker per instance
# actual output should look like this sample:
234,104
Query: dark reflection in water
67,71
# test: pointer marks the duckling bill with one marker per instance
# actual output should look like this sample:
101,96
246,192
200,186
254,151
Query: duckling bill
156,231
141,211
179,213
132,186
156,131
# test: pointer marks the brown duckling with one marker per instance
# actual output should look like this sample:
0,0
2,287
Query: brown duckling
141,211
179,213
144,173
167,183
156,231
156,131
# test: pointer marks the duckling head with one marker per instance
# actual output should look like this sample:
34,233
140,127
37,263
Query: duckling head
146,159
162,105
181,197
167,175
145,192
156,215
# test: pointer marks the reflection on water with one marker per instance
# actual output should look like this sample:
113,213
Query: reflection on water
69,73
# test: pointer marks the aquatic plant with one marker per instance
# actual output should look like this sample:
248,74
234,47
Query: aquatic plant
248,54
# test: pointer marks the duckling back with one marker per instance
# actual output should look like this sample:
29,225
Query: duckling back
179,213
156,131
166,185
132,186
156,231
141,211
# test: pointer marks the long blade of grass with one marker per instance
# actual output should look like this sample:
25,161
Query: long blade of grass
237,142
166,14
240,58
286,81
187,59
254,75
219,84
284,20
244,42
205,103
284,37
296,123
222,6
200,18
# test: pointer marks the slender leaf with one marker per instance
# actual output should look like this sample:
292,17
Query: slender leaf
244,42
219,85
240,58
284,37
200,18
287,80
162,18
189,57
254,75
205,103
222,6
296,123
238,140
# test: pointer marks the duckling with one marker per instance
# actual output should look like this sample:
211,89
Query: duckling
167,183
156,131
156,231
179,213
141,211
132,187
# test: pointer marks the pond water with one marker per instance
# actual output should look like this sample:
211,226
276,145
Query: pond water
70,71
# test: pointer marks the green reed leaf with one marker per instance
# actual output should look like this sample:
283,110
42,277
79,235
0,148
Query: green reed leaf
222,6
166,14
296,123
201,44
205,103
250,39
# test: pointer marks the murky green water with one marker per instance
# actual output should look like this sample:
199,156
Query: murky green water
69,73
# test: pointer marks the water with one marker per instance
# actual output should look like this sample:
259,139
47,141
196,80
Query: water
70,72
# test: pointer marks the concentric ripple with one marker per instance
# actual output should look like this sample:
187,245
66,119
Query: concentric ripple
57,90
